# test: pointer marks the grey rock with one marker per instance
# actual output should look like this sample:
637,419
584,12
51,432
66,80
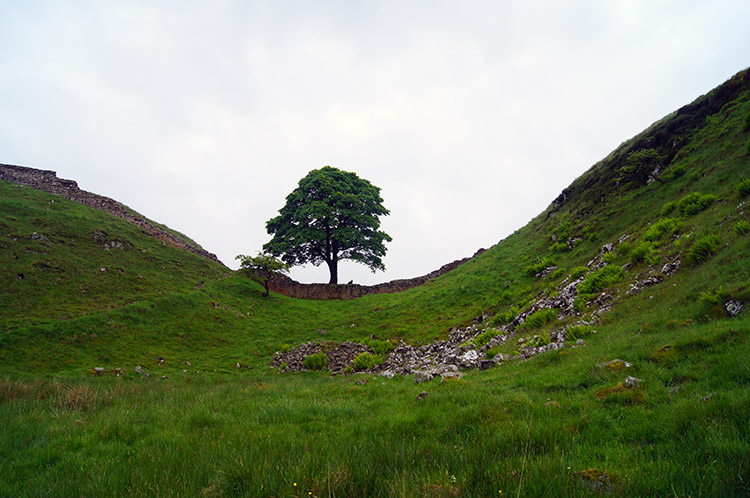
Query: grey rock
422,395
422,376
632,382
734,308
615,364
485,364
98,370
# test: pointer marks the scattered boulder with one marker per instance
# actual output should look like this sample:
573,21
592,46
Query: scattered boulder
632,382
422,395
422,376
733,308
615,364
139,370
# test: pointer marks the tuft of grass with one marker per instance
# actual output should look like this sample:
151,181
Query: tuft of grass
316,361
600,279
743,187
540,318
541,264
695,203
742,227
660,228
703,248
365,361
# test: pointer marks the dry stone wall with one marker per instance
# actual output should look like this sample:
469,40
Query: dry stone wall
47,181
285,285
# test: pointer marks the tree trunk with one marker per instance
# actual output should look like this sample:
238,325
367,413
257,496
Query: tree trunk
333,268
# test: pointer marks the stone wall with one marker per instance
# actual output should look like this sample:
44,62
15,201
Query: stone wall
288,287
47,181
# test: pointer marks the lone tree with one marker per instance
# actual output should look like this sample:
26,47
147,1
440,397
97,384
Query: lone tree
332,215
261,268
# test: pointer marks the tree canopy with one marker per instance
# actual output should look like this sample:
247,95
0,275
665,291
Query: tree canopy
332,215
261,268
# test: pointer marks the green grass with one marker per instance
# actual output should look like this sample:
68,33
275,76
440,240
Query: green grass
536,427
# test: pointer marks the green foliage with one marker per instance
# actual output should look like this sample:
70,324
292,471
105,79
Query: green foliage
379,347
505,317
639,165
743,187
538,340
559,247
540,318
600,279
317,361
668,207
741,227
562,231
485,337
576,332
589,234
714,297
676,172
644,251
661,227
365,361
609,257
541,264
703,248
746,122
577,273
624,248
261,268
332,215
695,203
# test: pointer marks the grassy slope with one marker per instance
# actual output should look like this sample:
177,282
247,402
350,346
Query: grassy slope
248,432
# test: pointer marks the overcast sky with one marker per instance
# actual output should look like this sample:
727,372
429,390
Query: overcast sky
470,115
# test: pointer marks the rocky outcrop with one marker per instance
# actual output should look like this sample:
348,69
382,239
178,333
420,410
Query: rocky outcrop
47,181
291,288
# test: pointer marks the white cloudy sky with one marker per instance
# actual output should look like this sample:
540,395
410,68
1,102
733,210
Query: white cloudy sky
470,115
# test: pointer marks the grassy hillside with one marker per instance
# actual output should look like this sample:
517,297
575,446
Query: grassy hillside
557,424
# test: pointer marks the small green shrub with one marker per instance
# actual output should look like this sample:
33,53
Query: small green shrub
541,264
741,227
676,172
578,272
485,337
644,252
540,318
365,361
589,233
316,361
695,203
559,247
576,332
624,248
492,352
712,297
668,208
661,227
743,188
609,257
704,248
504,317
539,341
579,304
600,279
379,347
562,231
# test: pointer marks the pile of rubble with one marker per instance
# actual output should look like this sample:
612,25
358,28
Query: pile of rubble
447,358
